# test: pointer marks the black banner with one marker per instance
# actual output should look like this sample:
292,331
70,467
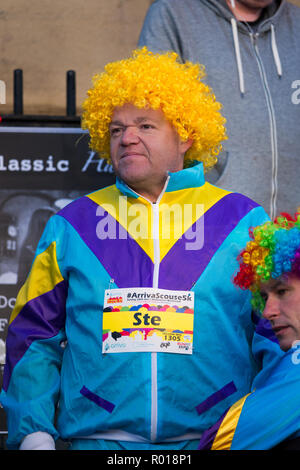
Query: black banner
41,170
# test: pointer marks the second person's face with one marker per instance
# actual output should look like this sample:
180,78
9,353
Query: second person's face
282,309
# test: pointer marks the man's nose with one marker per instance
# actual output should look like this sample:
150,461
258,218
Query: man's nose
130,135
271,309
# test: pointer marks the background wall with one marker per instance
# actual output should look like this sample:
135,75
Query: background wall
46,38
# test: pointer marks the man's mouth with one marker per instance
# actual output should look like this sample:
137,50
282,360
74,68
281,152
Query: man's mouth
279,329
130,154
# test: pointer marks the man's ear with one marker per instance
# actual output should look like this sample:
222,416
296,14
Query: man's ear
186,145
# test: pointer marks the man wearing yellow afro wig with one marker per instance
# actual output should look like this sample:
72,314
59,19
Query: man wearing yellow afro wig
158,82
129,319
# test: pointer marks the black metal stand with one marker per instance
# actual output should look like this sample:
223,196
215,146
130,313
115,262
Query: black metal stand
18,118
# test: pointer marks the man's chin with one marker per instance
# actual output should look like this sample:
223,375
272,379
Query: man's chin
133,179
285,342
284,347
132,169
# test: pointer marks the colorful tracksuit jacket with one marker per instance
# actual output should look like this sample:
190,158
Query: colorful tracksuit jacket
54,341
266,416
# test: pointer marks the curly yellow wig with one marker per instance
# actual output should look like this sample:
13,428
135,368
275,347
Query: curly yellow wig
157,81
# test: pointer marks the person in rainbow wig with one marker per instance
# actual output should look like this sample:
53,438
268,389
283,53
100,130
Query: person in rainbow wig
145,374
269,267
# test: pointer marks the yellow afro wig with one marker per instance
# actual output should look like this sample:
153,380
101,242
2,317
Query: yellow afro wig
158,81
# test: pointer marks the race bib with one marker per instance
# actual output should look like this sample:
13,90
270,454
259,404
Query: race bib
148,320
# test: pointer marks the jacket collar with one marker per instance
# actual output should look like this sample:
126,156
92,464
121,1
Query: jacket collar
191,177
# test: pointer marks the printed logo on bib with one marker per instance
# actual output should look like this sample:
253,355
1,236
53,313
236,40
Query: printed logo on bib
148,320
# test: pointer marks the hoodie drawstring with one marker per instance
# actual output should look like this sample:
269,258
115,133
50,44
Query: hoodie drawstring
275,51
274,142
238,54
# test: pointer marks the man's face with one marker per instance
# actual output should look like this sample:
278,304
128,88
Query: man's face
282,309
143,148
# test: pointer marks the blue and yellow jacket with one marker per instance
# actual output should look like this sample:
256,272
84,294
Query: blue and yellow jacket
54,341
265,417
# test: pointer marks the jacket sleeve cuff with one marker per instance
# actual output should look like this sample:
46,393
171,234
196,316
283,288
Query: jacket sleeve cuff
38,441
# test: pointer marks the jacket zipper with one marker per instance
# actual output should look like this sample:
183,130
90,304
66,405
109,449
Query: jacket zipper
273,128
156,257
153,429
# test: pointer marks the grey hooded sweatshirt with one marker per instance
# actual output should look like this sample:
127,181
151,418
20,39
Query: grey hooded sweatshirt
254,71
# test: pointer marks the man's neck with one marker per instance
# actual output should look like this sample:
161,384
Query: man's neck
243,12
150,193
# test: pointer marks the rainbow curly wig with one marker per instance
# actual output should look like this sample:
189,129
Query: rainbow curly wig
273,251
157,81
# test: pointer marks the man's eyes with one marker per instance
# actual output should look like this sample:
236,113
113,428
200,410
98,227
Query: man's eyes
281,291
264,296
116,131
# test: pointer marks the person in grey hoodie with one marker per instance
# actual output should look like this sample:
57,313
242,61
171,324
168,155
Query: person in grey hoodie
251,53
